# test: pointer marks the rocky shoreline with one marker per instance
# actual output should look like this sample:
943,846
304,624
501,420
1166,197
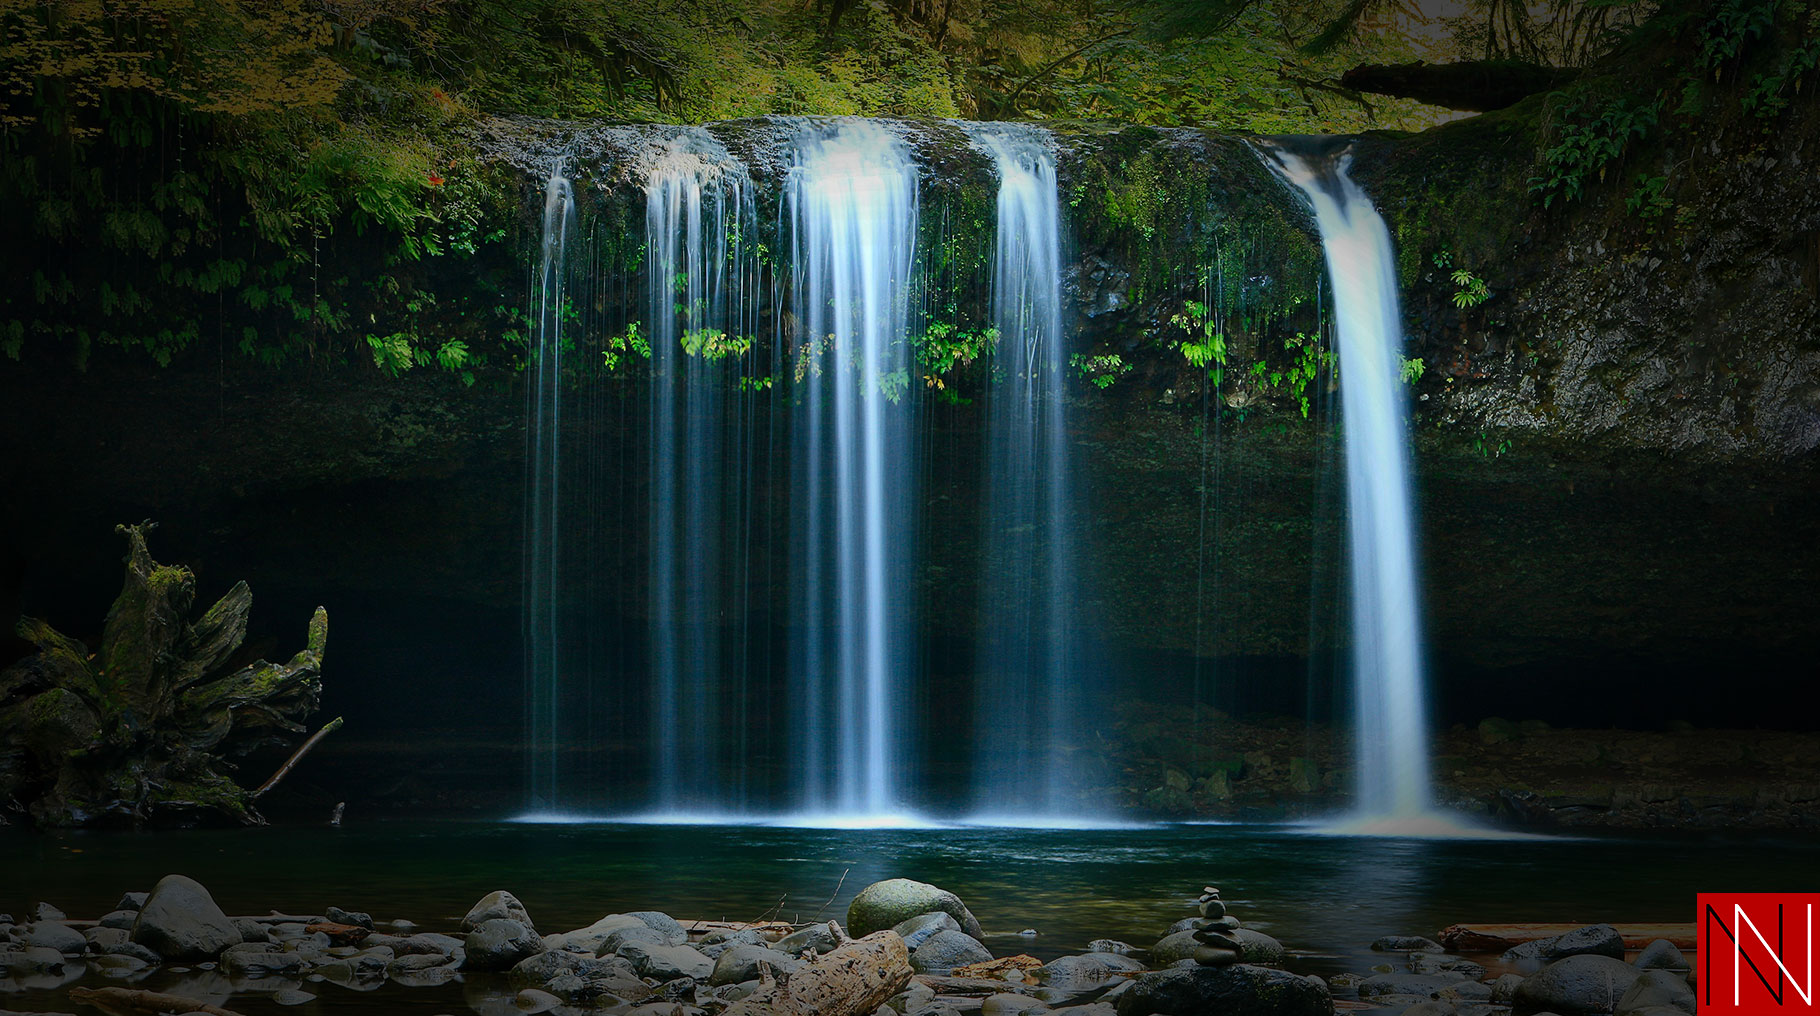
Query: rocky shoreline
906,948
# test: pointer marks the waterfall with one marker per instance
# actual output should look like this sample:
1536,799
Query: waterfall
543,533
1388,685
1027,703
696,200
851,208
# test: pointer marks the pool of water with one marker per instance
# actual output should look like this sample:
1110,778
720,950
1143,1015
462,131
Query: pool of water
1325,897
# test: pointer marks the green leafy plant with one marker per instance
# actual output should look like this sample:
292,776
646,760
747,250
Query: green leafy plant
618,349
1308,357
1101,370
1587,139
1412,369
1204,348
1648,201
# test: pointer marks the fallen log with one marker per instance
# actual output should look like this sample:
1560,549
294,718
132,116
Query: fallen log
134,1000
1473,85
1489,938
851,980
779,928
297,756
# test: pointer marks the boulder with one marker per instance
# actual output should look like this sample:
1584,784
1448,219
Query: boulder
100,938
133,949
820,937
499,943
669,927
132,901
917,929
884,905
667,962
644,934
497,905
742,962
1173,947
180,921
54,934
337,915
1417,985
1592,940
1657,989
1260,949
1661,955
1585,985
1237,990
554,970
260,960
592,938
122,919
945,950
1007,1003
1085,972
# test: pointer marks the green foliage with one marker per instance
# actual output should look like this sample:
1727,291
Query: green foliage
1412,369
1469,289
1588,136
1649,201
1205,347
1733,27
1100,370
1308,357
618,349
712,344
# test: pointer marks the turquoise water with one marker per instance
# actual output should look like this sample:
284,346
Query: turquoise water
1324,897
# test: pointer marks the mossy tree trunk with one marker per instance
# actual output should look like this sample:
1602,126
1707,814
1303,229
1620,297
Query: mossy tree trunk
146,726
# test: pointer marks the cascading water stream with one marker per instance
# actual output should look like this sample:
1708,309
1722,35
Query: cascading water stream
543,515
1027,693
696,200
851,208
1394,793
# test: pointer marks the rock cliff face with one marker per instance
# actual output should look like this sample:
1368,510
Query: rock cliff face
1616,448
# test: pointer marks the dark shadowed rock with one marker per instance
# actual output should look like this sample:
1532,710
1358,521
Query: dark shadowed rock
1592,940
180,921
52,934
742,962
917,929
1085,972
1584,985
1657,989
1660,955
1238,990
498,904
499,943
945,950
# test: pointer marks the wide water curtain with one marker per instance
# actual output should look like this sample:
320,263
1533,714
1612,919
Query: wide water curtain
852,206
695,200
1389,687
1027,705
543,671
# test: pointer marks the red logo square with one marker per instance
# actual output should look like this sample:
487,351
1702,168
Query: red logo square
1756,953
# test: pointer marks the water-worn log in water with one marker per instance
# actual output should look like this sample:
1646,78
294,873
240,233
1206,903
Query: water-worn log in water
145,725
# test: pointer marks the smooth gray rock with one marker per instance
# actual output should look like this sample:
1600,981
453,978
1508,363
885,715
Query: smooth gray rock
499,943
1173,947
122,919
592,938
1114,946
667,962
32,960
1661,955
133,949
54,934
642,933
251,930
1407,943
884,905
1657,989
1012,1004
1592,940
1086,971
100,938
945,950
1260,949
46,912
261,960
118,966
819,937
917,929
1429,963
1418,985
1237,990
497,905
1505,988
742,962
356,918
1585,985
180,921
132,901
669,927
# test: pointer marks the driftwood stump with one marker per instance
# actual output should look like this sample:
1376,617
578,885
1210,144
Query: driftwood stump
853,979
147,725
